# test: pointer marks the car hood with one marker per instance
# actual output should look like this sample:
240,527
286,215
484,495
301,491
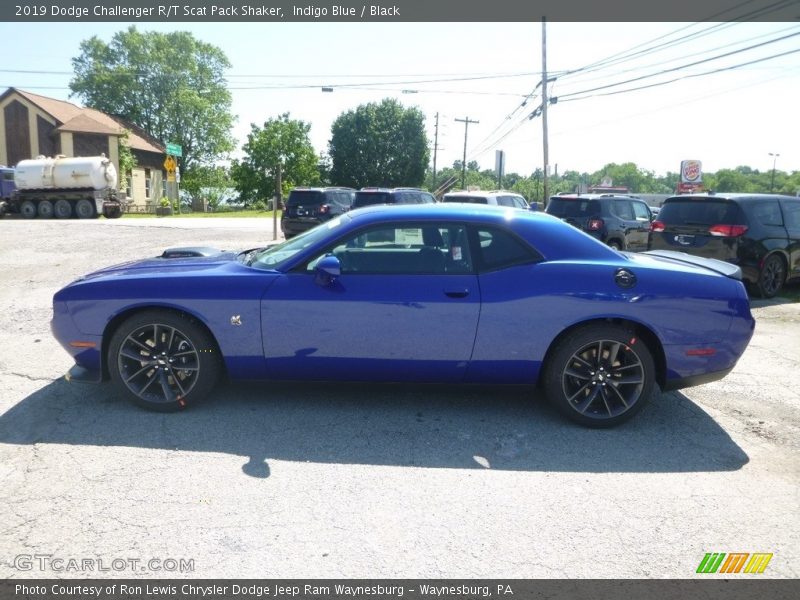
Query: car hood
172,262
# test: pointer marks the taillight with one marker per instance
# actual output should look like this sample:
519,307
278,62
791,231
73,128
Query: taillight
324,209
595,224
727,230
657,226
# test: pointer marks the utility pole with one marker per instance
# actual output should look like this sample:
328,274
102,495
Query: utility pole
435,149
545,152
278,201
774,156
466,121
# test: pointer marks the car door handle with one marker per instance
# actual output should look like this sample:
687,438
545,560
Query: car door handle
462,293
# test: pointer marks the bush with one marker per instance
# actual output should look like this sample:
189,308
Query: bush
259,205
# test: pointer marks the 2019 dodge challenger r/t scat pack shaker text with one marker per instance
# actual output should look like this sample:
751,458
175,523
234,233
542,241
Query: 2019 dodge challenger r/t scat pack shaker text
430,293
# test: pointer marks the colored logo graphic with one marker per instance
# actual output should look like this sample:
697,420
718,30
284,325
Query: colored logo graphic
734,562
691,171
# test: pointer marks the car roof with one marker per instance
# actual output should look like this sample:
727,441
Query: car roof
483,193
594,197
739,197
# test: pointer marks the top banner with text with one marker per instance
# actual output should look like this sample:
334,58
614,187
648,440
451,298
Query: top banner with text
398,10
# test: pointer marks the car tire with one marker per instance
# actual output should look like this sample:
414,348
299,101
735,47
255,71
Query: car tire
163,361
771,277
85,209
615,244
45,209
599,375
28,209
62,209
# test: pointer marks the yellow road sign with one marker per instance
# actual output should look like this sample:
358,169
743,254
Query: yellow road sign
170,165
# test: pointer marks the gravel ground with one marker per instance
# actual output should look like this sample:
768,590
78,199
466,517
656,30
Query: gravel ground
373,481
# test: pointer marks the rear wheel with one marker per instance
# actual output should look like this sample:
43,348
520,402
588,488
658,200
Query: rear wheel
62,209
28,209
163,361
615,244
45,209
772,276
85,209
600,375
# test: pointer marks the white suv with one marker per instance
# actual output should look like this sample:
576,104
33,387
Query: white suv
493,198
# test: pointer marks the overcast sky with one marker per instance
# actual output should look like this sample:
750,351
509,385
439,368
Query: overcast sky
725,119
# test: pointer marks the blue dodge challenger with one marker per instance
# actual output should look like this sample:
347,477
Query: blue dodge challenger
431,293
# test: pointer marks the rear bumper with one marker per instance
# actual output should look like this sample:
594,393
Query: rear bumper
294,226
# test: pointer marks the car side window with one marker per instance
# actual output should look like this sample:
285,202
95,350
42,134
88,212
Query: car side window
640,211
413,248
768,213
498,248
505,201
791,213
622,209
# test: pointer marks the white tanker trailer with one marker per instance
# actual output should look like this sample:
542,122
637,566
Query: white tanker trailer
61,187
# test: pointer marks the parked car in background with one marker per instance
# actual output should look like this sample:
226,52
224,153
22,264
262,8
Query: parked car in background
307,207
622,222
370,196
493,198
758,232
444,293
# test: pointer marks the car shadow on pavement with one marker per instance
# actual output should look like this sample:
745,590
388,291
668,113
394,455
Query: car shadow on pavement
464,427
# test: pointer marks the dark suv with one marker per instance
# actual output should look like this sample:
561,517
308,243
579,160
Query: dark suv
622,222
369,196
308,207
758,232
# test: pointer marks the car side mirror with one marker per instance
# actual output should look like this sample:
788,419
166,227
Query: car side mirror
327,270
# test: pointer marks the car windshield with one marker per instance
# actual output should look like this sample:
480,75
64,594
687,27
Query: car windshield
572,207
370,198
272,256
699,211
304,198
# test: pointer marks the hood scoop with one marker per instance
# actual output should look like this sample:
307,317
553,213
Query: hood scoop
191,252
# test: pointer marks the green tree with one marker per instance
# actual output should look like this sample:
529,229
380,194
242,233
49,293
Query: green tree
169,84
379,145
281,140
207,183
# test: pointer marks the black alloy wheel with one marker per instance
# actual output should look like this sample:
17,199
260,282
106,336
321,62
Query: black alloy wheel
163,361
771,277
600,375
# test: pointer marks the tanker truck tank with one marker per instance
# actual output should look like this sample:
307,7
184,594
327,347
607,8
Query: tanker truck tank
85,172
64,187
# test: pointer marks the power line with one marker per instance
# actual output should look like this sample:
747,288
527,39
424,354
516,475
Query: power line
673,69
690,76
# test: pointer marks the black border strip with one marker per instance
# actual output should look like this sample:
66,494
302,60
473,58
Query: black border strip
232,11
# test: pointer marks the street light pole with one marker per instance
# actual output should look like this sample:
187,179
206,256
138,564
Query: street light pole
772,179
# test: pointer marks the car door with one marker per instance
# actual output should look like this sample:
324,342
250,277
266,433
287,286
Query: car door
639,235
404,308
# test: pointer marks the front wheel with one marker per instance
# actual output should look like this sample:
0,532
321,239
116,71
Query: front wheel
600,375
163,361
28,209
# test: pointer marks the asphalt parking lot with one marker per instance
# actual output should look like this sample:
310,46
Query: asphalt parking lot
301,480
